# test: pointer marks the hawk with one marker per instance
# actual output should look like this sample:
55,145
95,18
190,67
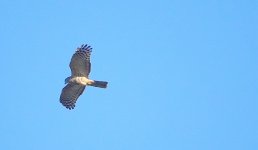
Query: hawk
75,84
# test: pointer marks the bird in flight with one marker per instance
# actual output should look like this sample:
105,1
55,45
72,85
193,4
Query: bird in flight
75,84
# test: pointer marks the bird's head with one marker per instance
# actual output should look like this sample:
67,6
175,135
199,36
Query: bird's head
67,80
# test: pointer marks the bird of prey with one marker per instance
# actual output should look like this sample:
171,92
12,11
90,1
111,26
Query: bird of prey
75,84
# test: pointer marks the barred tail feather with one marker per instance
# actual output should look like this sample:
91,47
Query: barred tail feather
100,84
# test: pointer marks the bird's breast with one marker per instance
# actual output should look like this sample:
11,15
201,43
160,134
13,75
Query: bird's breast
79,80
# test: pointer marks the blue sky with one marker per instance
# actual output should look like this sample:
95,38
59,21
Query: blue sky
182,74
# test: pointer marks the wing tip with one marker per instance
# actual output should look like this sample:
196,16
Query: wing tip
69,104
85,47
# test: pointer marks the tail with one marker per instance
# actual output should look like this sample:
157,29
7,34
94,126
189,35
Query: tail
100,84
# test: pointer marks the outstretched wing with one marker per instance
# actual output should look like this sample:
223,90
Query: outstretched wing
70,94
80,63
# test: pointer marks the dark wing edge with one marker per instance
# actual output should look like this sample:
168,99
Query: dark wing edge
80,63
70,93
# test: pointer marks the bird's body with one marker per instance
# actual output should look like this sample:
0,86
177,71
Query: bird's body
80,67
81,80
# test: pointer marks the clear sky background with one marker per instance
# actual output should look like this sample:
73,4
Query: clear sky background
182,74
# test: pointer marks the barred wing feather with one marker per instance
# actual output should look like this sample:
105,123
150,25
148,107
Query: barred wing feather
80,63
70,94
